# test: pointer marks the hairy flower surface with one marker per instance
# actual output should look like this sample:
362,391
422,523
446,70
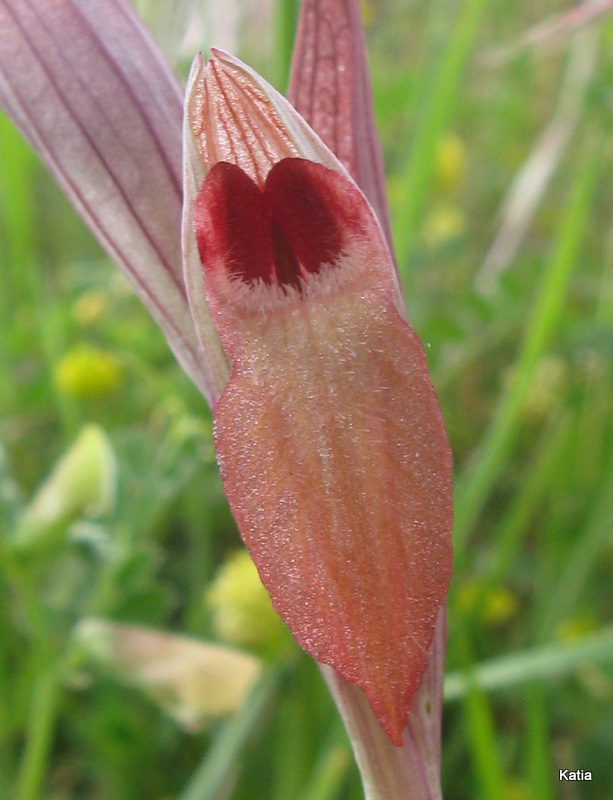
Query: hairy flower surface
328,433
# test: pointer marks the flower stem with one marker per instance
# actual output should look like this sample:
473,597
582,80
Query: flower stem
39,733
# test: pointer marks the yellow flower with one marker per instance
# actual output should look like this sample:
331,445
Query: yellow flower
86,372
450,163
573,628
242,611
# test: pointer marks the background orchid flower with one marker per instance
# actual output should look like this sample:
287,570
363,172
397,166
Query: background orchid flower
92,95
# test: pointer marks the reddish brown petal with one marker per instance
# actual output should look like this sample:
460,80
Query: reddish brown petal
337,470
335,460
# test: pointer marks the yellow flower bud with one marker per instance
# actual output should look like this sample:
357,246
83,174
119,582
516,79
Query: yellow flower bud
500,607
573,628
86,372
496,606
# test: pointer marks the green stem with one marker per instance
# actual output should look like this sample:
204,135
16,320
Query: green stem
537,741
480,729
39,733
46,682
285,30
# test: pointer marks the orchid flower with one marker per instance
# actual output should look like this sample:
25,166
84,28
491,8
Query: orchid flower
288,317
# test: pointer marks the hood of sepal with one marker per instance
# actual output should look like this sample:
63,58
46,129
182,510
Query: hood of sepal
262,130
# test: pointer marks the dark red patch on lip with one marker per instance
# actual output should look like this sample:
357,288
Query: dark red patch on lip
232,224
282,233
300,196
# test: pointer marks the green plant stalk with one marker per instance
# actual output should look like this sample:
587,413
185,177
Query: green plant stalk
46,689
21,281
539,663
213,774
552,448
480,730
432,121
15,214
18,162
7,704
592,426
330,775
475,486
539,767
291,763
39,733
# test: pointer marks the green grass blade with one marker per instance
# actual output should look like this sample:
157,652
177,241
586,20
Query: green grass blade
554,444
286,20
539,663
330,771
39,739
481,732
538,750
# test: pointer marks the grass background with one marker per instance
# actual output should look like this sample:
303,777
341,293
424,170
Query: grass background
520,343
